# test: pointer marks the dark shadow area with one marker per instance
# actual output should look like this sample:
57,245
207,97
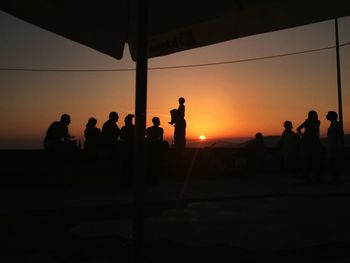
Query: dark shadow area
26,167
49,231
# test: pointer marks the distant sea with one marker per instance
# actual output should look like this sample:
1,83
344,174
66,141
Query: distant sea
270,141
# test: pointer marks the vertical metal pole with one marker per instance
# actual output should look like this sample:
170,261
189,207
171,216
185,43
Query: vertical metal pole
340,104
140,123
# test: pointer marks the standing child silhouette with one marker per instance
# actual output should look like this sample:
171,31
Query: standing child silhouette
178,120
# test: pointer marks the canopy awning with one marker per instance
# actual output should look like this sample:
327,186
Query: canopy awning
173,25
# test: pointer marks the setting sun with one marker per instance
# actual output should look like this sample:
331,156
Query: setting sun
202,137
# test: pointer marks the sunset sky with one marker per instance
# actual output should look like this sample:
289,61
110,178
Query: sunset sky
222,101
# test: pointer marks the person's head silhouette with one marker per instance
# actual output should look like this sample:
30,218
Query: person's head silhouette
128,119
312,115
288,125
156,121
91,122
332,116
113,116
65,119
181,101
259,136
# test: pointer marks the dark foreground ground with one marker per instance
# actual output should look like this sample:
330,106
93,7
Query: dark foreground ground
215,207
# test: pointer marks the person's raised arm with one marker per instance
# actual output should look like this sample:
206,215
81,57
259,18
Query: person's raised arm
301,126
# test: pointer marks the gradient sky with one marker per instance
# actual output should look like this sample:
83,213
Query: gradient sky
226,101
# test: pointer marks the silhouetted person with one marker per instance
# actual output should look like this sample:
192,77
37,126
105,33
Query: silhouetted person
111,132
156,150
257,144
57,133
127,137
256,151
92,144
289,145
127,132
178,120
58,143
335,135
311,147
154,134
110,142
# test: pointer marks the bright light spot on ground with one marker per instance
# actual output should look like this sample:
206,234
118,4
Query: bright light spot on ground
202,137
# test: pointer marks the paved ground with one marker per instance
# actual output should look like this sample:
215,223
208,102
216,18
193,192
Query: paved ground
248,219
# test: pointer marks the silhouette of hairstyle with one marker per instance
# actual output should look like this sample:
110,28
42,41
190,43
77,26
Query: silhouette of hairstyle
113,115
258,135
128,118
288,125
91,122
313,115
65,118
155,121
332,116
181,100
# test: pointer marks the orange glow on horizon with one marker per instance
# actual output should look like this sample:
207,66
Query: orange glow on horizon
202,137
224,102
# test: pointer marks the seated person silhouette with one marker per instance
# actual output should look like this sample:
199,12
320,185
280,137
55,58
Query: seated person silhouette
57,134
155,133
59,145
92,138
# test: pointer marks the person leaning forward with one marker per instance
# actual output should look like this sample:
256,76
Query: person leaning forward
57,133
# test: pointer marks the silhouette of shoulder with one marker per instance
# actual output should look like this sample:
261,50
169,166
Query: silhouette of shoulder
127,133
154,133
57,131
109,128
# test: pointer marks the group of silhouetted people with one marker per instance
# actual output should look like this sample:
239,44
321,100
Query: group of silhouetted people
114,145
303,152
